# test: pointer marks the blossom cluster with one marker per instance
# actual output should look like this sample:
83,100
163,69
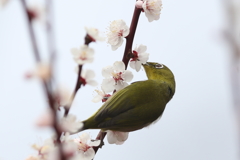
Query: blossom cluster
74,149
116,77
152,8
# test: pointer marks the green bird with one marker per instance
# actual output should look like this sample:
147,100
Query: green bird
137,105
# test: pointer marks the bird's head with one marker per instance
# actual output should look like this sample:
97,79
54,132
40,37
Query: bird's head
157,71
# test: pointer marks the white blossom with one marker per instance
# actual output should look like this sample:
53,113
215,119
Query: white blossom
152,9
94,34
46,150
139,57
83,55
50,150
85,150
117,31
101,96
69,124
116,137
87,78
42,71
69,146
63,96
116,77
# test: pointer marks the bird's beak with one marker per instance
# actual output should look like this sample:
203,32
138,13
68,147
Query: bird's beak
145,64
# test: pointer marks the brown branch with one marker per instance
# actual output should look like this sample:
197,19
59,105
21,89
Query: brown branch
126,57
32,36
77,87
79,82
45,85
129,39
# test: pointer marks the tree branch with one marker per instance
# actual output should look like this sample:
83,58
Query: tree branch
126,57
45,85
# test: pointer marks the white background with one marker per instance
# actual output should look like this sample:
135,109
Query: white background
198,123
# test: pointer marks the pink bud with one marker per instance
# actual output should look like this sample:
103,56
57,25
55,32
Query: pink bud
139,4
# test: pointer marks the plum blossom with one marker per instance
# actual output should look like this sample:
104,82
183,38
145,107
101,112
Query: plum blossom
42,71
69,124
101,96
45,151
69,146
62,96
83,55
117,31
139,56
116,77
50,151
93,33
116,137
152,9
87,78
85,150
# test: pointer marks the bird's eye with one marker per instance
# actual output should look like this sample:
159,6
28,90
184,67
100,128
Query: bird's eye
158,66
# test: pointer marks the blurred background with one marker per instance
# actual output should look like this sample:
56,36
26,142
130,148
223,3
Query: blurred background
199,123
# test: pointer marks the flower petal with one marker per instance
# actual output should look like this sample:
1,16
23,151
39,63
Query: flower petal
94,143
94,34
108,85
69,124
127,76
138,65
107,71
143,57
84,137
141,49
111,137
118,44
132,64
92,82
152,9
119,66
120,85
97,98
89,154
116,137
122,136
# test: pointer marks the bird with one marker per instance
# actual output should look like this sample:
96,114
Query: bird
138,105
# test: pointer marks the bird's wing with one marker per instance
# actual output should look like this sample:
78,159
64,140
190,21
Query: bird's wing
125,101
116,104
133,119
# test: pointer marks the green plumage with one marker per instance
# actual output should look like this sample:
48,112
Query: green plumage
137,105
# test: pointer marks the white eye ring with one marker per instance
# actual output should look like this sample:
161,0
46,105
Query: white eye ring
158,66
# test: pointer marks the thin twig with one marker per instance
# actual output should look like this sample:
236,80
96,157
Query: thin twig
130,37
77,87
79,82
47,90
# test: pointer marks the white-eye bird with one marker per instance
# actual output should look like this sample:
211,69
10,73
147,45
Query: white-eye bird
137,105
